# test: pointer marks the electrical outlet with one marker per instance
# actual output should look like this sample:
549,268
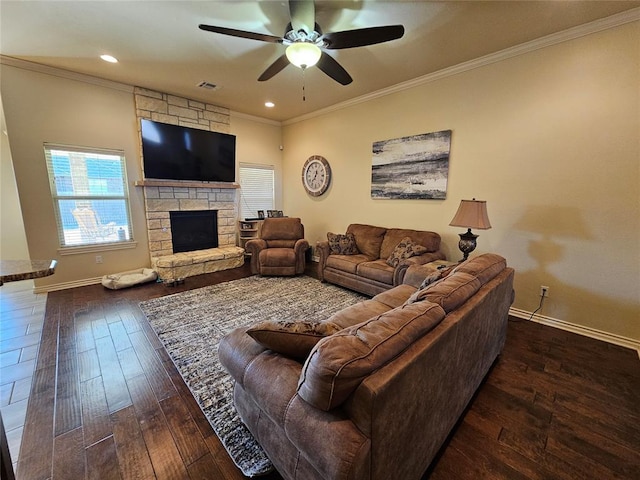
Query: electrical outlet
544,291
98,258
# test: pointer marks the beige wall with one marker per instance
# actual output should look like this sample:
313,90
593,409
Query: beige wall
43,108
13,240
258,142
550,139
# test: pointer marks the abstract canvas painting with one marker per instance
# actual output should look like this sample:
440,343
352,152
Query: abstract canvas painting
414,167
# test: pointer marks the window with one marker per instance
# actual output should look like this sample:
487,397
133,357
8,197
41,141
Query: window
90,195
256,189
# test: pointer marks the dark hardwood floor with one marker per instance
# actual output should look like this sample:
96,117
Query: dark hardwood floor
107,403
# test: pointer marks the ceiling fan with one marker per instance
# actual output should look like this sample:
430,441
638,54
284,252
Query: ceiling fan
306,43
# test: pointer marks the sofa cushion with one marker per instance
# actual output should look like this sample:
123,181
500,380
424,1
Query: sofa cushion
377,270
337,364
406,248
346,263
358,313
289,228
277,257
483,267
292,338
368,239
449,292
392,237
396,296
342,244
280,243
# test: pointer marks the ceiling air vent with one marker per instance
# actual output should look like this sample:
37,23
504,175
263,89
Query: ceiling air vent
208,85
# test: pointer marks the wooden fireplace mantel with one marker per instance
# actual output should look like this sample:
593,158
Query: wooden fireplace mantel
188,184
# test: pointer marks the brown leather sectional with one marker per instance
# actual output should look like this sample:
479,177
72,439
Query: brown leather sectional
377,399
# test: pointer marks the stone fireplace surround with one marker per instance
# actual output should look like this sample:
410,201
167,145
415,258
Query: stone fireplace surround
164,196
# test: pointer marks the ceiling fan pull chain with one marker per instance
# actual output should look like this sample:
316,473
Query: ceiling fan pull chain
304,97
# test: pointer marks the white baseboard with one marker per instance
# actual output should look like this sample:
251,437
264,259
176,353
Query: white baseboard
579,329
64,285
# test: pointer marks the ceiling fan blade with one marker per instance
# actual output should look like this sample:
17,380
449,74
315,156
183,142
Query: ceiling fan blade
241,33
362,36
274,68
332,68
303,15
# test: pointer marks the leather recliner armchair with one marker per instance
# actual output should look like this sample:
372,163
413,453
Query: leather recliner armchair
281,248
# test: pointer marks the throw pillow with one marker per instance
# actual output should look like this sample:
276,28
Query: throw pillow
405,249
291,338
342,244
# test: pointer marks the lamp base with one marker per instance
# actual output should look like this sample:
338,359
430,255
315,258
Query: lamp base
467,243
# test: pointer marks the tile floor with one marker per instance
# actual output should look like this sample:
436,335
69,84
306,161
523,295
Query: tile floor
21,320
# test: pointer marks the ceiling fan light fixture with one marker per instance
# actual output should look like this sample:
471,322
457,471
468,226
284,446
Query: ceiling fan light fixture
303,54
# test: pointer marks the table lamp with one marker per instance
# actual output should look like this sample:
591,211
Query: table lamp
470,214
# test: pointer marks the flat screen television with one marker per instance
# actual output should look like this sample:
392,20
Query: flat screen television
172,152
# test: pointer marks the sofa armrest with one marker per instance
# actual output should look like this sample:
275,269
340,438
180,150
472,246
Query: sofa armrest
401,269
301,246
323,252
254,247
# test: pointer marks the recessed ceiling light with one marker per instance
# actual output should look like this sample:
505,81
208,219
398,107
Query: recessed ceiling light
269,104
109,58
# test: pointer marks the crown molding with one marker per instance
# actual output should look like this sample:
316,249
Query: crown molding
61,73
253,118
524,48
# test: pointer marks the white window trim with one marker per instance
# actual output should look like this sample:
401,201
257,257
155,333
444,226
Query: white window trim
92,247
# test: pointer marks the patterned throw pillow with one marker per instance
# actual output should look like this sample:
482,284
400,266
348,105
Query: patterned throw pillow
342,244
405,249
292,338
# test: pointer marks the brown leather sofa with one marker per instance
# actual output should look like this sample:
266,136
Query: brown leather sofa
281,248
377,399
367,271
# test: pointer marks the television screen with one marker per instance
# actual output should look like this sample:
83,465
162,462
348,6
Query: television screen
172,152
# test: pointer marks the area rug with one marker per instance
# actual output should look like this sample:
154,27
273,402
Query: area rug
190,325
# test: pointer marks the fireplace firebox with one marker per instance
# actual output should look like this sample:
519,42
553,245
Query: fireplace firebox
194,230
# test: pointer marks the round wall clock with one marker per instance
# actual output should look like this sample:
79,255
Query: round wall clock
316,175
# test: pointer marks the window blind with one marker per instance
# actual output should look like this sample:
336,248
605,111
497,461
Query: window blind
90,194
256,189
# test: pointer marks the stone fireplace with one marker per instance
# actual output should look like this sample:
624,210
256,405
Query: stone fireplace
164,197
160,201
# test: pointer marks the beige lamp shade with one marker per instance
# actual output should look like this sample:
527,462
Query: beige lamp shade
472,214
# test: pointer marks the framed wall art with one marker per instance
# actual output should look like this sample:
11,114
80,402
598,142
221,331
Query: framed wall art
414,167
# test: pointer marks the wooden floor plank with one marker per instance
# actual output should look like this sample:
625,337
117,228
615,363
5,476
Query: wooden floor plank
152,366
69,459
95,411
68,405
166,460
131,450
113,380
188,438
36,449
100,461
